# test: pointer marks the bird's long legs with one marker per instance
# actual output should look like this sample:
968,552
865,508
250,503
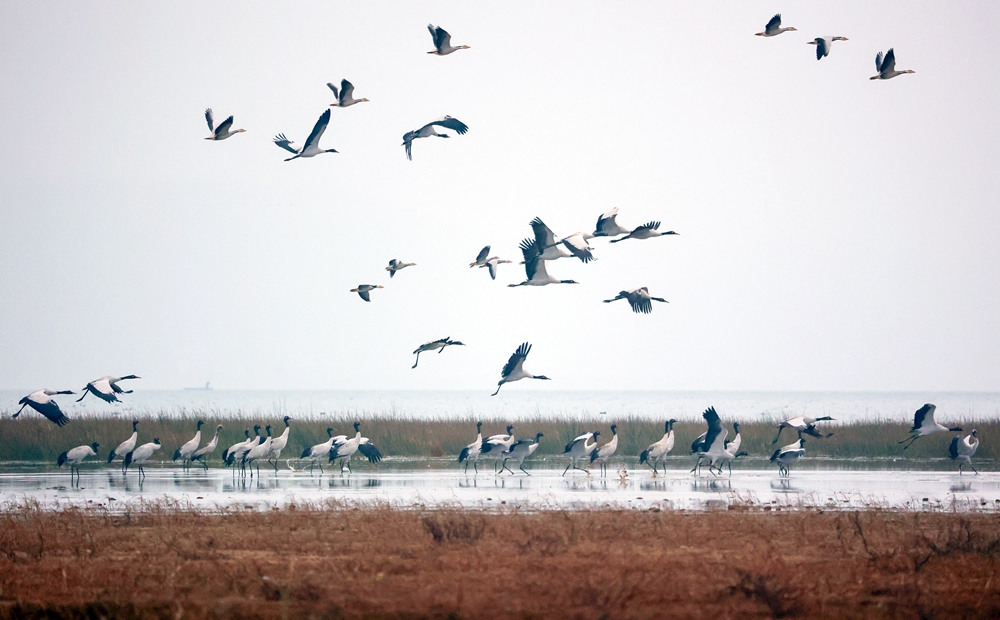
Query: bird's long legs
909,441
504,466
521,467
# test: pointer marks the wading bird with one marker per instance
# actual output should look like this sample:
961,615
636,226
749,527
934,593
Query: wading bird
789,455
774,28
317,452
639,299
257,452
311,147
41,401
823,45
442,41
223,131
435,344
229,455
804,425
579,449
346,450
962,450
496,446
733,447
471,452
427,131
364,290
657,452
493,263
514,370
189,447
646,231
278,444
345,96
550,248
396,265
712,445
608,227
106,388
886,66
201,454
141,455
605,452
534,267
924,424
519,451
75,456
126,446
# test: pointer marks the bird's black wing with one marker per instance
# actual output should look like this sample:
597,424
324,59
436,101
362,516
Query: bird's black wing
333,87
370,452
318,129
285,143
51,411
453,123
437,34
346,89
953,448
647,226
640,305
483,254
408,143
889,62
543,234
698,445
821,48
364,295
918,417
714,426
210,119
224,126
774,23
517,357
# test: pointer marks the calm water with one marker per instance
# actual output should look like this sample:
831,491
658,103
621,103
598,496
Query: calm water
519,403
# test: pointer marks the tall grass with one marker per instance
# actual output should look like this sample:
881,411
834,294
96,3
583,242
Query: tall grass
31,438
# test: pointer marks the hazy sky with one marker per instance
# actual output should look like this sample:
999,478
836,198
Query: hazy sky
836,233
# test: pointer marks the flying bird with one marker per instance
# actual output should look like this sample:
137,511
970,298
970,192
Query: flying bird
41,401
534,267
646,231
435,344
823,45
396,265
106,388
804,425
514,370
427,131
886,66
639,299
774,28
311,147
608,227
963,449
481,258
492,264
550,248
924,424
363,290
223,131
345,96
442,41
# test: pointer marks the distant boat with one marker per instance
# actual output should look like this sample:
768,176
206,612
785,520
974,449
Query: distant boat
207,387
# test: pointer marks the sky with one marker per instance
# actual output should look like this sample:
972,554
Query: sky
836,233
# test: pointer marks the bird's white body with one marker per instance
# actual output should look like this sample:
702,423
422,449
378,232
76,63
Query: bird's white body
492,265
201,454
189,447
788,455
106,388
141,455
76,455
805,425
311,147
657,452
223,131
435,345
442,41
603,453
42,402
278,444
886,66
962,449
649,230
364,290
520,450
346,448
126,446
579,449
608,227
471,452
319,451
235,452
258,452
924,424
428,131
396,265
514,370
496,446
774,28
344,95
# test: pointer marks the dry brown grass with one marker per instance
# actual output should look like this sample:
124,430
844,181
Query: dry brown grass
389,563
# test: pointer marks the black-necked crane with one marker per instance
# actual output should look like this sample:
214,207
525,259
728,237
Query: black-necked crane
639,298
257,452
608,227
42,402
646,231
605,452
396,265
789,455
318,452
346,450
712,447
75,456
551,248
657,452
364,290
345,95
471,452
438,345
188,448
141,455
733,448
519,451
278,444
805,425
427,131
514,370
496,446
963,449
311,147
235,451
886,66
774,28
579,449
534,267
823,45
106,388
201,454
492,264
442,41
126,446
924,424
223,131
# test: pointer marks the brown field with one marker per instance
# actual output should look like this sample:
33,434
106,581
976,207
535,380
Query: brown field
339,562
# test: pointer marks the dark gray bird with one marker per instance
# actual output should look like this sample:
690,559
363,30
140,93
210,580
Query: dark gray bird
427,131
345,96
639,299
442,41
435,344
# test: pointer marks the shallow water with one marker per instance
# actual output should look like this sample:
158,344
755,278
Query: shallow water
418,485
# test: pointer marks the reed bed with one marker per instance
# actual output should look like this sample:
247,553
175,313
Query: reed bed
335,561
33,439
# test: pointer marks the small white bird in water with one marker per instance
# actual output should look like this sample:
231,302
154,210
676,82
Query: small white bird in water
442,41
823,45
963,449
223,131
439,345
428,131
345,96
311,147
364,290
886,66
41,401
396,265
774,28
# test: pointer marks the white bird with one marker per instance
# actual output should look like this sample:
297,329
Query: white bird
320,450
427,131
608,227
774,28
442,41
235,451
579,449
534,267
278,444
789,455
396,265
364,290
258,452
496,446
804,425
639,299
962,450
41,401
345,96
514,370
202,453
481,258
605,452
345,450
439,345
106,388
492,264
712,448
189,447
646,231
519,451
223,131
823,45
75,456
311,147
471,452
886,66
126,446
141,455
551,248
733,447
657,452
924,424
